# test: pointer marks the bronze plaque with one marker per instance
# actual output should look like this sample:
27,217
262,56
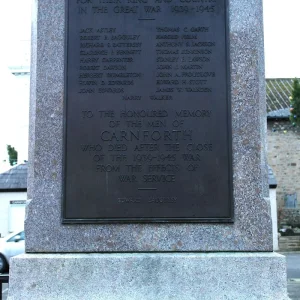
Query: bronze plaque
147,112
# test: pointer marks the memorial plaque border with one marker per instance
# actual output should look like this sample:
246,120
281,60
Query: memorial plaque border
228,219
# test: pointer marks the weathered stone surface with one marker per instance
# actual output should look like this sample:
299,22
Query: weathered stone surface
251,231
184,276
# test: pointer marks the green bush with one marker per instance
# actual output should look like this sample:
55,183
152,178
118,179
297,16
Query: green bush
12,154
295,103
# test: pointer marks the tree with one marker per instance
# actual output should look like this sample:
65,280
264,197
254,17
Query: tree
12,155
295,103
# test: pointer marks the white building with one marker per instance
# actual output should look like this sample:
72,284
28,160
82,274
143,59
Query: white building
13,195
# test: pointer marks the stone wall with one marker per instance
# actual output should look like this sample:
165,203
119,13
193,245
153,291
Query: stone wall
289,216
289,243
284,158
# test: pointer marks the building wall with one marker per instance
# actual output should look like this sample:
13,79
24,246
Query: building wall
272,195
284,158
5,198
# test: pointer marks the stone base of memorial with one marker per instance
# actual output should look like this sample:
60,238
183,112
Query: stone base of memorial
145,276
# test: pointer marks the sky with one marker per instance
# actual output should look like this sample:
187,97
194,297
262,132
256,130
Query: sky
282,60
15,30
282,42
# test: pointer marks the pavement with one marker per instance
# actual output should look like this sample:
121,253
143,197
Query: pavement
293,276
4,291
293,273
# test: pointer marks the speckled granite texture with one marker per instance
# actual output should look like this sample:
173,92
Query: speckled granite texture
215,276
251,231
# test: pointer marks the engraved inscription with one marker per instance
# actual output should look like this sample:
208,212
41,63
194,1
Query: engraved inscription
147,111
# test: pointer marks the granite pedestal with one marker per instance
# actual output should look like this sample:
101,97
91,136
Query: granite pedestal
164,276
148,261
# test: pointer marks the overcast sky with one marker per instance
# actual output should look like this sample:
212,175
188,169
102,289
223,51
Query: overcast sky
282,57
282,42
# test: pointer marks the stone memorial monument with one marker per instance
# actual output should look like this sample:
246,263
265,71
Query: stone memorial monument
148,175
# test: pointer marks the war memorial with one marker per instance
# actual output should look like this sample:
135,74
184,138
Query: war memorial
148,172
